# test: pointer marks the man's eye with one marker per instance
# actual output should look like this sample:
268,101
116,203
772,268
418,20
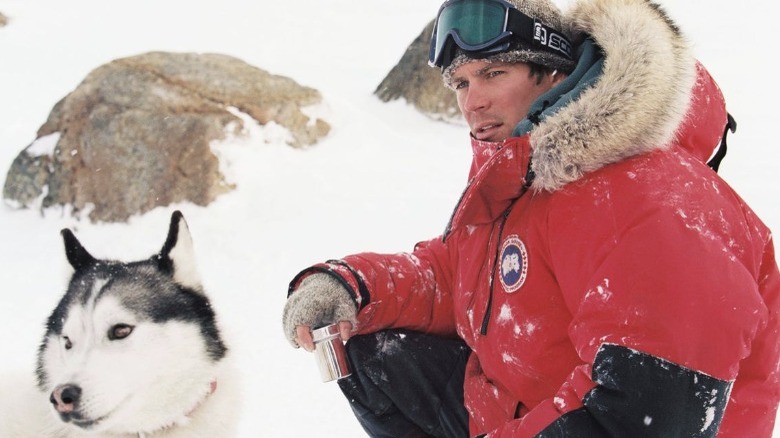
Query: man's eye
460,85
494,73
119,331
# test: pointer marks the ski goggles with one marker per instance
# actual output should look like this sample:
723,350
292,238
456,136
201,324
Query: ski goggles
487,27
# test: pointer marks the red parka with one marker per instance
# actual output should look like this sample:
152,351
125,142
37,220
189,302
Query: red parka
623,289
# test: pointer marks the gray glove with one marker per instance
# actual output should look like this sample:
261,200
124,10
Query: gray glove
318,301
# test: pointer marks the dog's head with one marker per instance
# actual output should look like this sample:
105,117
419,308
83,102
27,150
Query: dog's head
131,347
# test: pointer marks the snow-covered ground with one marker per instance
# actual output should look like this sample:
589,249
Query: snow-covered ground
385,178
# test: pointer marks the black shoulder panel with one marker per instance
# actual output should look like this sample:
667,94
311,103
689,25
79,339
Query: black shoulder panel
640,395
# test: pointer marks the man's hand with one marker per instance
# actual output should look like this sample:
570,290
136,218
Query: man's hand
304,339
318,301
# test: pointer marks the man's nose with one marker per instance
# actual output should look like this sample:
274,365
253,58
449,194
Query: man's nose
476,99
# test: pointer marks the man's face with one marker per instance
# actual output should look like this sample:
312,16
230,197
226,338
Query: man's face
494,97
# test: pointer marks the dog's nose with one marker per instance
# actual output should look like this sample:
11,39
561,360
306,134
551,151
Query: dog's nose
65,398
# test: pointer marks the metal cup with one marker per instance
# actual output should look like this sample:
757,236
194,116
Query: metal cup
330,353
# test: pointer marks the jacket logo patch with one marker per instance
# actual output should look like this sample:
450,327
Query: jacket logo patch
514,263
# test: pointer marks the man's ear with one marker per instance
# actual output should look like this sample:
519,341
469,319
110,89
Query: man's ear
557,77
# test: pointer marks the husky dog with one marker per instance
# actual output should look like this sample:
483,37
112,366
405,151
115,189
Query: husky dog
131,350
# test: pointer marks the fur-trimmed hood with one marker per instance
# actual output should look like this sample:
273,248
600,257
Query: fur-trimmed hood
635,105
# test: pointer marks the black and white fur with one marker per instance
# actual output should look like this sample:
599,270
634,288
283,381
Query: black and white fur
131,350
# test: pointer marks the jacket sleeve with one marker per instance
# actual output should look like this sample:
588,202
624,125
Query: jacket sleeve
403,290
668,306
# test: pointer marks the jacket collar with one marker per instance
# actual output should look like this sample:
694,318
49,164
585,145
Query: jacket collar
482,152
498,177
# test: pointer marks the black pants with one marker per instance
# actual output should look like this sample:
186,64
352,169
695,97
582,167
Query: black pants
407,384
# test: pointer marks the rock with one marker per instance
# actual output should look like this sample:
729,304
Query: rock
136,133
421,85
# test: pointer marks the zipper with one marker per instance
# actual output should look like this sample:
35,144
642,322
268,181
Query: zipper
488,311
448,228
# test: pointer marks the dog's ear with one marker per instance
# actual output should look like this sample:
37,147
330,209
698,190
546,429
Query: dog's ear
177,255
78,257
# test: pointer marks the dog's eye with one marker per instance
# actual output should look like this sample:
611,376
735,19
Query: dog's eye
119,331
68,343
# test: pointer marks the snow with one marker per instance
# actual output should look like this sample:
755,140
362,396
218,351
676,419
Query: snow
44,145
385,178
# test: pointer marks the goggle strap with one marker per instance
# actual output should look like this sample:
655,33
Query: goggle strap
538,34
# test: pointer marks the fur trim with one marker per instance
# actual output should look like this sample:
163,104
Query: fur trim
635,106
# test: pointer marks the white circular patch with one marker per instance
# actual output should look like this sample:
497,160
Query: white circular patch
514,263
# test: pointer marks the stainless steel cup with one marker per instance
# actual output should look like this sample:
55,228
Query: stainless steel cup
330,353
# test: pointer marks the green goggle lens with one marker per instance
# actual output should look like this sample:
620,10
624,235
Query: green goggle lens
476,22
485,27
473,23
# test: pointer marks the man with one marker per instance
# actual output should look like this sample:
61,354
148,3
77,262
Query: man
604,280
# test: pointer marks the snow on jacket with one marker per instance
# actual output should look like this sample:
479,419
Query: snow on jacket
620,288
